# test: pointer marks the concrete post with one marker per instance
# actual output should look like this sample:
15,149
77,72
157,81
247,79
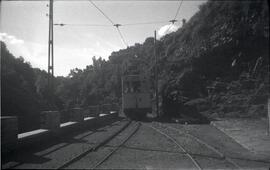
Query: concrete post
115,107
77,115
106,108
93,111
9,132
50,120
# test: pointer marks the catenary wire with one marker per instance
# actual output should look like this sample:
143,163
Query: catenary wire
93,0
106,16
177,12
114,24
178,9
145,23
122,38
87,25
103,25
117,25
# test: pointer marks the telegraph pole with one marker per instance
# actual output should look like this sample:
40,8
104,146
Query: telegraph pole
50,55
156,75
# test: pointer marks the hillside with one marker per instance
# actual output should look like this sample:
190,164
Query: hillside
18,91
23,90
221,56
224,43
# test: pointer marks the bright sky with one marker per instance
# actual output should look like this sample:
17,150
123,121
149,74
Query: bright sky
24,28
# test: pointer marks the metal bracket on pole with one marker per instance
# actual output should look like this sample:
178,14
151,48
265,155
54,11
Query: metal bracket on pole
173,21
117,25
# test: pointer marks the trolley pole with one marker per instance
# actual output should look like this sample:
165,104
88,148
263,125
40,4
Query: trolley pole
156,75
50,56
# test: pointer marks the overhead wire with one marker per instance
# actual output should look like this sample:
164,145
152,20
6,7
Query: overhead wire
88,25
101,12
128,24
174,19
103,25
114,24
145,23
122,38
85,0
178,9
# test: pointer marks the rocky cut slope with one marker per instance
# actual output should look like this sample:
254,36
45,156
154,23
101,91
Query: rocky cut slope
218,61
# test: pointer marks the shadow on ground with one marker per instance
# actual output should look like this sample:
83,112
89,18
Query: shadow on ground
26,154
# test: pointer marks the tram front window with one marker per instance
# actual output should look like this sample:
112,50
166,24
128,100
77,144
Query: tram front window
132,87
126,87
137,86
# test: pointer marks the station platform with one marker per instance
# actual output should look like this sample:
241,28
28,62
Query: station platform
252,134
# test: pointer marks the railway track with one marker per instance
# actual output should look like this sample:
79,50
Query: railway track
13,165
222,156
198,153
107,156
94,148
178,145
134,125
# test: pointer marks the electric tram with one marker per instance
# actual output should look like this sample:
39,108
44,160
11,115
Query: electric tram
136,96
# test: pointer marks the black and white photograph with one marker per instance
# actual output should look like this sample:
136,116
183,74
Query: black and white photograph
135,84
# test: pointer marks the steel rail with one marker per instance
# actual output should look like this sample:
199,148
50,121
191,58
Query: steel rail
73,159
222,155
180,146
47,153
94,148
136,128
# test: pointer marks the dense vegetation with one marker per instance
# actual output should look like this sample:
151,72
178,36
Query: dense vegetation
18,90
216,62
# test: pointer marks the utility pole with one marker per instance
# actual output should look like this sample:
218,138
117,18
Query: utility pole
50,55
156,75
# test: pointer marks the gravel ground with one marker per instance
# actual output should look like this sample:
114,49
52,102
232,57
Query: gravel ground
216,138
250,133
226,145
190,144
204,156
146,149
92,158
54,154
139,159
